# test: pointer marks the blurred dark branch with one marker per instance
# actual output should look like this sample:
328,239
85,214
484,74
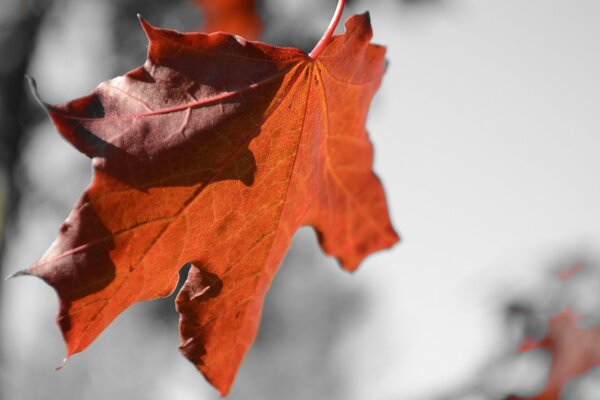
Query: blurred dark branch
17,42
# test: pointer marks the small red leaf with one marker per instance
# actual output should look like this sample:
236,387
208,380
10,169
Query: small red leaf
568,273
575,351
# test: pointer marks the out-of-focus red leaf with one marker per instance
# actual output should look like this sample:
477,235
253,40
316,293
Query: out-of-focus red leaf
574,350
568,273
234,16
214,153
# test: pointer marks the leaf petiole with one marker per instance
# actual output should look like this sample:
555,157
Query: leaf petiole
329,32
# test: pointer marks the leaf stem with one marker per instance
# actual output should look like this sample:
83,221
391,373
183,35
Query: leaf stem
329,32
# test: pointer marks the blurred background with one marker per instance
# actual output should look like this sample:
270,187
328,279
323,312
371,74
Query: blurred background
486,133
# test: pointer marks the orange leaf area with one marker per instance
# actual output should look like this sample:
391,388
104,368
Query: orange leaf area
574,350
234,16
214,153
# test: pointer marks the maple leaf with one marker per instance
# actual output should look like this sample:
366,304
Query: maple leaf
574,350
214,153
234,16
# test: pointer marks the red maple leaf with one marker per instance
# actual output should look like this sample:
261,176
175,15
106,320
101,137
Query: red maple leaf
574,350
234,16
214,153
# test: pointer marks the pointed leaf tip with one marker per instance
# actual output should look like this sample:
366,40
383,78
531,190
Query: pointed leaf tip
61,365
360,25
17,274
146,26
34,91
